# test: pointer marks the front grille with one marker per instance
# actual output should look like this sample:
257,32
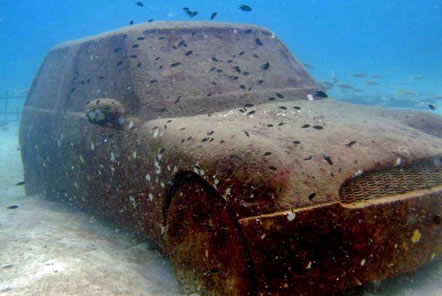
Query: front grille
398,180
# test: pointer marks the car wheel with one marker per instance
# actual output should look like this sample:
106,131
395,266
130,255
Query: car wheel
207,249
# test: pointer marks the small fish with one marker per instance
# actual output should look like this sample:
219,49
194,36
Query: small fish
119,63
149,21
189,53
131,23
328,159
371,82
432,107
305,126
175,64
246,133
117,49
20,183
308,66
265,67
245,7
344,86
191,13
318,127
12,207
320,94
416,77
139,3
359,75
351,143
213,15
258,41
406,92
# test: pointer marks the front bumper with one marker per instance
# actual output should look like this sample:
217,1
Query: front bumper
329,248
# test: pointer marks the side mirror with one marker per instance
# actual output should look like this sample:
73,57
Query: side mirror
106,112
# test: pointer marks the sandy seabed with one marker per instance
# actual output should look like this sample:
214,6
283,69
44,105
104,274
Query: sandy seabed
48,248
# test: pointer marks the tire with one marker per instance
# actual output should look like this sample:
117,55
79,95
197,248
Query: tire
207,249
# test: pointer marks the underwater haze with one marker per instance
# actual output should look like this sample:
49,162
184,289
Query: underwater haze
385,54
398,41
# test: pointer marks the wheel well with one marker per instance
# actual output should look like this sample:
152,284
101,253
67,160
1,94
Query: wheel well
175,184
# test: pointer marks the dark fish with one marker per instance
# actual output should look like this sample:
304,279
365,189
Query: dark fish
308,66
241,53
318,127
189,53
265,66
133,56
12,207
328,159
267,153
149,21
351,143
296,107
305,126
245,7
175,64
258,41
140,38
246,133
135,46
185,8
248,31
117,49
20,183
283,107
119,63
251,112
139,3
213,15
432,107
131,23
138,65
248,105
237,69
296,142
191,13
311,196
182,42
279,95
320,94
309,158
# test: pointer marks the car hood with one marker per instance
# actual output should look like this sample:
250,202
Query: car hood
290,154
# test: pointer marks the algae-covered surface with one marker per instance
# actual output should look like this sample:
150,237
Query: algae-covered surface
48,248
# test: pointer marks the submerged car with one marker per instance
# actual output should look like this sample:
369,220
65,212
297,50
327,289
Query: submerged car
213,141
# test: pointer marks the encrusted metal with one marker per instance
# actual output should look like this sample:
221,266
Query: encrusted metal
393,181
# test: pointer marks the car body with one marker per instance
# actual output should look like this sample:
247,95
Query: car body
213,141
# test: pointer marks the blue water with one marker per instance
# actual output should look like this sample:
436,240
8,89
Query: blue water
395,39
